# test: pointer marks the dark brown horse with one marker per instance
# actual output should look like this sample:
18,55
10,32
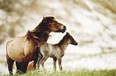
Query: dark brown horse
23,49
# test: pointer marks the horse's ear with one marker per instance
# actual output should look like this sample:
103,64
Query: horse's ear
28,32
29,35
43,17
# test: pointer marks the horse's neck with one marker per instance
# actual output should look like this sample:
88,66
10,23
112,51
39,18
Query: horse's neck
41,27
42,31
44,36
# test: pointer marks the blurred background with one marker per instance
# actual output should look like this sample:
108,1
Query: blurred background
92,23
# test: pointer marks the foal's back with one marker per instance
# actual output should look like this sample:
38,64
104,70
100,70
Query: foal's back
57,50
51,50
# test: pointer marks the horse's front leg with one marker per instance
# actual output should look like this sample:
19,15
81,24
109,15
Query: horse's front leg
60,63
37,56
54,63
10,64
35,59
21,67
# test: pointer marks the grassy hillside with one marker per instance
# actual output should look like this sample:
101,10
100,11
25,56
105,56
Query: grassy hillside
74,73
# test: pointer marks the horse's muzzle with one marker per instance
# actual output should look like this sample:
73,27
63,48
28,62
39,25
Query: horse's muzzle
62,29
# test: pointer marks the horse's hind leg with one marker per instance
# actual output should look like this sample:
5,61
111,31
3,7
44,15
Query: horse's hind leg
10,64
21,67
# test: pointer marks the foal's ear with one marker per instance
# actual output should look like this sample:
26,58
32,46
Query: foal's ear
68,33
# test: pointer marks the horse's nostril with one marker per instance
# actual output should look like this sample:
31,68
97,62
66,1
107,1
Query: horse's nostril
64,29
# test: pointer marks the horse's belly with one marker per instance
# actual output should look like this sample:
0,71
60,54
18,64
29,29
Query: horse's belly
18,55
15,51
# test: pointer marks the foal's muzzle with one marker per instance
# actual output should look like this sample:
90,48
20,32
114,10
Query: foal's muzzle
76,43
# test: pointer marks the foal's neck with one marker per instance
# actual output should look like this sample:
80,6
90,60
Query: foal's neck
63,43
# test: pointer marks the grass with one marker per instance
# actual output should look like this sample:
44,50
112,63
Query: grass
73,73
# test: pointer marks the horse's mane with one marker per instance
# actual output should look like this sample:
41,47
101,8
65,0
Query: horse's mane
37,37
31,37
44,25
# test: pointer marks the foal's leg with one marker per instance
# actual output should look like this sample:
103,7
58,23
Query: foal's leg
36,56
21,67
60,63
43,61
54,62
10,64
40,57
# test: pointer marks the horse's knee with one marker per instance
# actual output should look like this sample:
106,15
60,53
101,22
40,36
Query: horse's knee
21,67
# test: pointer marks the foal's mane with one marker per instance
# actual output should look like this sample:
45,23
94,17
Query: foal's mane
63,40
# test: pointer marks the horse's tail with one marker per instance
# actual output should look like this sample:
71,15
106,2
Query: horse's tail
8,44
7,57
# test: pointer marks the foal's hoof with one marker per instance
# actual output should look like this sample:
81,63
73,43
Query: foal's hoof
38,70
10,74
19,72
